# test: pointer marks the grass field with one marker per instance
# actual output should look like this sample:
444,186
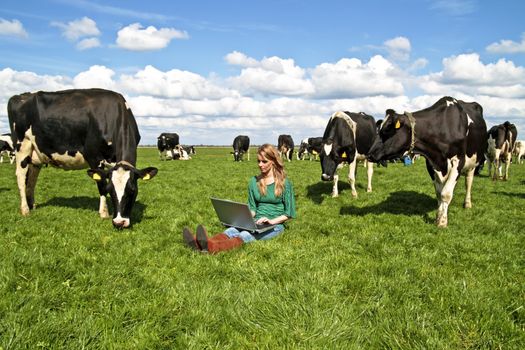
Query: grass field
371,273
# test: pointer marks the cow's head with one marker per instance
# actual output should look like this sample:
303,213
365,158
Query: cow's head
395,137
302,149
331,156
121,184
237,155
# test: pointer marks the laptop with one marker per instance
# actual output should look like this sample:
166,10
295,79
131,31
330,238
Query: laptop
238,215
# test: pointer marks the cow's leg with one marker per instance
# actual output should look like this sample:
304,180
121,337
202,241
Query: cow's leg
507,165
335,191
23,160
32,177
351,176
447,191
369,173
102,207
248,151
469,178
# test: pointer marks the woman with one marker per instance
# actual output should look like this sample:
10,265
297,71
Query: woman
270,199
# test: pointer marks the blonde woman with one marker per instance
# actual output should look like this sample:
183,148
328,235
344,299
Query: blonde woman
270,199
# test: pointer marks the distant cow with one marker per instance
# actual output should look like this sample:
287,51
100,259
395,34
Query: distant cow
310,146
6,148
241,145
501,139
189,149
285,146
167,142
347,138
75,129
519,151
451,135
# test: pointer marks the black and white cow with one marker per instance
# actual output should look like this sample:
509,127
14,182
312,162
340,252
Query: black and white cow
167,142
285,146
75,129
6,148
189,149
347,138
451,135
241,145
310,146
519,151
501,139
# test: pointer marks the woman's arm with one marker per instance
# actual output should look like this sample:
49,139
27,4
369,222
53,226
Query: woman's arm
278,220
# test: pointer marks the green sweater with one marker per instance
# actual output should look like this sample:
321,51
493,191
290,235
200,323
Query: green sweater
269,205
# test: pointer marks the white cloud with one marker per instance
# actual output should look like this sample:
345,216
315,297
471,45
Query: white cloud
95,77
239,59
13,28
135,38
172,84
350,78
508,46
398,48
88,43
469,70
14,82
212,110
270,76
78,28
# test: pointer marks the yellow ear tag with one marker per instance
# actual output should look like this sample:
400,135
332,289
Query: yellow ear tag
344,155
96,177
146,177
398,124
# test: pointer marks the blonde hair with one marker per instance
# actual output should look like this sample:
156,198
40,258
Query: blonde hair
270,153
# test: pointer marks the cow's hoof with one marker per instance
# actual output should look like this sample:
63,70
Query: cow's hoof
104,215
368,190
467,205
354,194
335,195
24,211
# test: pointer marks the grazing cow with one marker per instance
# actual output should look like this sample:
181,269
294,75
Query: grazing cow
451,135
6,148
241,145
501,139
310,146
347,138
519,151
75,129
167,142
285,146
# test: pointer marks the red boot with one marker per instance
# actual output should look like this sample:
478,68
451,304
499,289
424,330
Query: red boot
217,243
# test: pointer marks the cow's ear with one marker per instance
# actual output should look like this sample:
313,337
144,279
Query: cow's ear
147,173
397,124
97,174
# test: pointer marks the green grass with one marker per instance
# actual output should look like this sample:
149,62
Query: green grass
372,272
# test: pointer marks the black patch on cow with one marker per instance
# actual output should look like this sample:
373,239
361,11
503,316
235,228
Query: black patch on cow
24,163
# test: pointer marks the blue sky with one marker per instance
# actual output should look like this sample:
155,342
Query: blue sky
211,70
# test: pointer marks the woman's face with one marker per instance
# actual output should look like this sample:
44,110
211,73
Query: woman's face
265,165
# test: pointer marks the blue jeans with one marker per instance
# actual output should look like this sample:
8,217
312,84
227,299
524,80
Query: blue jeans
248,237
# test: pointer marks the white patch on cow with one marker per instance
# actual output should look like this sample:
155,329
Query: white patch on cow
67,162
470,121
470,163
327,149
120,178
451,103
110,143
126,104
120,221
384,121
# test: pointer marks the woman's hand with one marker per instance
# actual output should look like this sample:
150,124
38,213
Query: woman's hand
264,220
